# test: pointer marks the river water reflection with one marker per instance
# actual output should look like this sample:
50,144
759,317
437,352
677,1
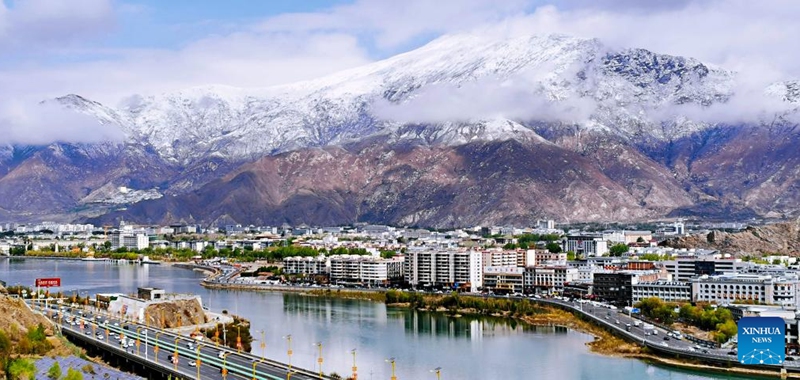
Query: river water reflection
465,348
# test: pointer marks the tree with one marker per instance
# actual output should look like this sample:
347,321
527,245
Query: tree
618,249
55,371
73,374
553,247
22,369
640,239
570,255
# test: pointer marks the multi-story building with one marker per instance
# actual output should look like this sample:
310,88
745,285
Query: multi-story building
506,279
671,291
548,278
545,257
738,287
587,245
129,240
365,269
501,258
683,269
306,265
444,268
617,287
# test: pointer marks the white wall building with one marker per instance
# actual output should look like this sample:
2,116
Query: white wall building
129,240
671,291
365,269
548,278
736,287
306,265
448,268
505,279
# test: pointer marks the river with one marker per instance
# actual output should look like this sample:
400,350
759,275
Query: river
465,348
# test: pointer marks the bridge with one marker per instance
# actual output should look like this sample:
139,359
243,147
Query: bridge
165,354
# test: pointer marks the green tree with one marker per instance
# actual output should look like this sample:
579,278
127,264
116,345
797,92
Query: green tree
618,249
73,374
22,369
5,345
55,371
570,255
553,247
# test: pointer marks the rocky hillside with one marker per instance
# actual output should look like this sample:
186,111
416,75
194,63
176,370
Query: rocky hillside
176,313
779,238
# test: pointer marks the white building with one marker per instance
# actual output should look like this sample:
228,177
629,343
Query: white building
684,269
736,287
548,278
365,269
507,279
305,265
671,291
587,245
448,268
129,240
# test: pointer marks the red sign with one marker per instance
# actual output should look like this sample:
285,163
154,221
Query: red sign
48,282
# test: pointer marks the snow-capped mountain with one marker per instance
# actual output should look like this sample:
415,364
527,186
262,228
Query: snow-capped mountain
618,121
249,123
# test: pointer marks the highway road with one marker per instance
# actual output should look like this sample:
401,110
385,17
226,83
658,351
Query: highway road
159,346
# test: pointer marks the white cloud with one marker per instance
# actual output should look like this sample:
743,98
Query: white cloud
39,124
754,38
395,23
52,22
514,98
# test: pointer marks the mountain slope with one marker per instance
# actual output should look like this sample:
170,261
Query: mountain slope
573,130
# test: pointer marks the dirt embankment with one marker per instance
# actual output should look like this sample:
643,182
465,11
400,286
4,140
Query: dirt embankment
175,313
778,238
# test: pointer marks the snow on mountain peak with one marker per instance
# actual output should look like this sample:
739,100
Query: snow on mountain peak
460,87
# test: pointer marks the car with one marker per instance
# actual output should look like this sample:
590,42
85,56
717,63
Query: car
192,363
691,349
705,350
616,321
664,344
99,337
190,345
88,332
125,327
221,354
666,338
731,352
789,358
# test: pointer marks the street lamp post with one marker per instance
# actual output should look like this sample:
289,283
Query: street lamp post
155,349
289,350
255,363
392,361
225,365
438,372
137,341
289,375
355,369
175,357
263,345
319,357
198,360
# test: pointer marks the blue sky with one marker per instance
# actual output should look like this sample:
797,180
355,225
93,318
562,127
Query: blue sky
110,49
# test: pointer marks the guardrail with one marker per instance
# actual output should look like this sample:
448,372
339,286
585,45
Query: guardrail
169,346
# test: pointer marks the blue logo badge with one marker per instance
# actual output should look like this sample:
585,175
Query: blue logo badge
762,340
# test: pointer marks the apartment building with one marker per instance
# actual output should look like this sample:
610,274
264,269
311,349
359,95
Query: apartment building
306,265
444,268
508,279
365,269
548,278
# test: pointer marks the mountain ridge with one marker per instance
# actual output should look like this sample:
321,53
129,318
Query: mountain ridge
619,117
